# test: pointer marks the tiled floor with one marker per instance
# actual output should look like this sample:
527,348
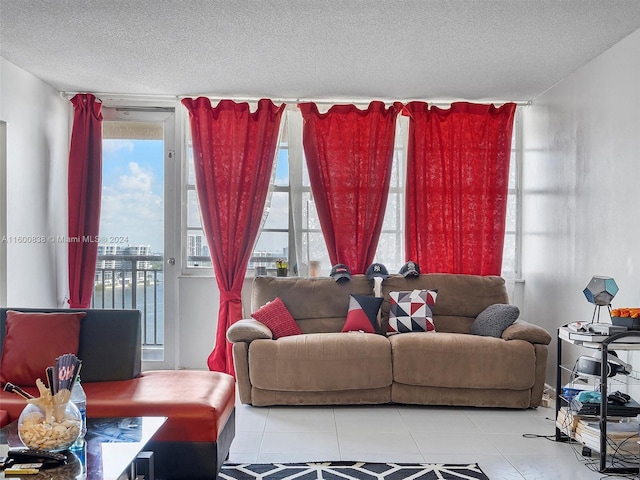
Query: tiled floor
392,433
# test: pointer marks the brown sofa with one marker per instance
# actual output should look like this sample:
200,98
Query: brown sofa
450,367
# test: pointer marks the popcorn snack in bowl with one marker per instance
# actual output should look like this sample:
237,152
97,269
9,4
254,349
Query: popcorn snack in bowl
50,422
41,431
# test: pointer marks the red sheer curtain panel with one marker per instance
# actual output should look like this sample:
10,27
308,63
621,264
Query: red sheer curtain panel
349,154
234,151
457,186
85,190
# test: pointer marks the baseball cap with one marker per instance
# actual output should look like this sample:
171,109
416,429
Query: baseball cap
377,270
410,269
340,272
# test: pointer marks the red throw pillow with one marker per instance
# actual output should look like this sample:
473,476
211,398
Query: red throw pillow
33,341
362,314
277,318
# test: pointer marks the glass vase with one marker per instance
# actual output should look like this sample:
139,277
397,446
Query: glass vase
53,427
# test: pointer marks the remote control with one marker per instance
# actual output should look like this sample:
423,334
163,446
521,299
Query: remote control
27,455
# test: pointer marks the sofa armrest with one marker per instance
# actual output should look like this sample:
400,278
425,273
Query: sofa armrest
247,330
521,330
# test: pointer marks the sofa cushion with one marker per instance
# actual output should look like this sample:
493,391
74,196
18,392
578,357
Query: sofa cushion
33,341
362,314
455,360
494,319
321,362
277,318
411,311
197,403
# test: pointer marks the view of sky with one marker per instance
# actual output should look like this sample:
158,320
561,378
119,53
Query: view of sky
132,191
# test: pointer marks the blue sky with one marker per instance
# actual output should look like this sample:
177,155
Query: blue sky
282,168
132,191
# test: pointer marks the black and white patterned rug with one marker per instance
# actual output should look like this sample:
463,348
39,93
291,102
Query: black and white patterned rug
351,470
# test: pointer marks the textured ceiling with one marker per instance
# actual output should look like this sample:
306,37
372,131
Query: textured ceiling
312,49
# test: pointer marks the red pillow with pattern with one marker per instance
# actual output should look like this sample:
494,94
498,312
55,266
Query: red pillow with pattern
277,318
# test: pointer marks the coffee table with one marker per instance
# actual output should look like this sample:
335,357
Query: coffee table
111,445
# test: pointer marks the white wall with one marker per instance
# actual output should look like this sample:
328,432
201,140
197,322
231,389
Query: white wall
199,301
37,154
581,190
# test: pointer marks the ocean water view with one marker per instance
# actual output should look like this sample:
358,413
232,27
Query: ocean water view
149,299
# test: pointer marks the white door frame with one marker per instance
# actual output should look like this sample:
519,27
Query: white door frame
168,113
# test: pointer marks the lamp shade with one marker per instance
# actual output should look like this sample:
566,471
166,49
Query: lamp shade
601,290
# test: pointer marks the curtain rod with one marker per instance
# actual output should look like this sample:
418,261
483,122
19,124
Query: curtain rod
291,101
435,102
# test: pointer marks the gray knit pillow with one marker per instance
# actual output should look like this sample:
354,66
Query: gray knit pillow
494,319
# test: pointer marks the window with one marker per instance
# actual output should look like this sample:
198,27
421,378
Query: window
510,256
135,227
291,228
273,241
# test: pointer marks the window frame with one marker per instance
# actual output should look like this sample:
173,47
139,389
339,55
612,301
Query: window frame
168,113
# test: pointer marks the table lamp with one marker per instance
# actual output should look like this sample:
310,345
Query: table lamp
600,291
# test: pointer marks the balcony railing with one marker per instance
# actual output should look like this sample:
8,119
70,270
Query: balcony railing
134,281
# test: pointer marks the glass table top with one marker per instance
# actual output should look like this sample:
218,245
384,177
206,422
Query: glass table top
110,446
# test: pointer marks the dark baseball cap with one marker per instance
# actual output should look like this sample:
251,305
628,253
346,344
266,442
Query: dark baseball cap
340,272
410,269
377,270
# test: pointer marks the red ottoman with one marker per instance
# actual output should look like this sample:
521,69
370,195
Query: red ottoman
200,408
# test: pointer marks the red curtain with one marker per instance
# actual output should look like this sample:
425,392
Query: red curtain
234,151
85,191
457,186
349,154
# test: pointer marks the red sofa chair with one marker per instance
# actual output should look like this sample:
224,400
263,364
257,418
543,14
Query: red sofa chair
199,405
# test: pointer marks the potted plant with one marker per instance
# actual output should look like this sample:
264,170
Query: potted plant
281,266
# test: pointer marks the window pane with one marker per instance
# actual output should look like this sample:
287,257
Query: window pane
314,249
509,256
193,210
271,246
191,177
393,213
198,250
512,170
305,173
282,166
129,268
390,250
511,213
397,171
310,219
278,213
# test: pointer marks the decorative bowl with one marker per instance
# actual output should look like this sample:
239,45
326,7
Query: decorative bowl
51,428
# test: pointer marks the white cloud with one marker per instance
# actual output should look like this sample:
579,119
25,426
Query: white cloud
139,180
131,209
